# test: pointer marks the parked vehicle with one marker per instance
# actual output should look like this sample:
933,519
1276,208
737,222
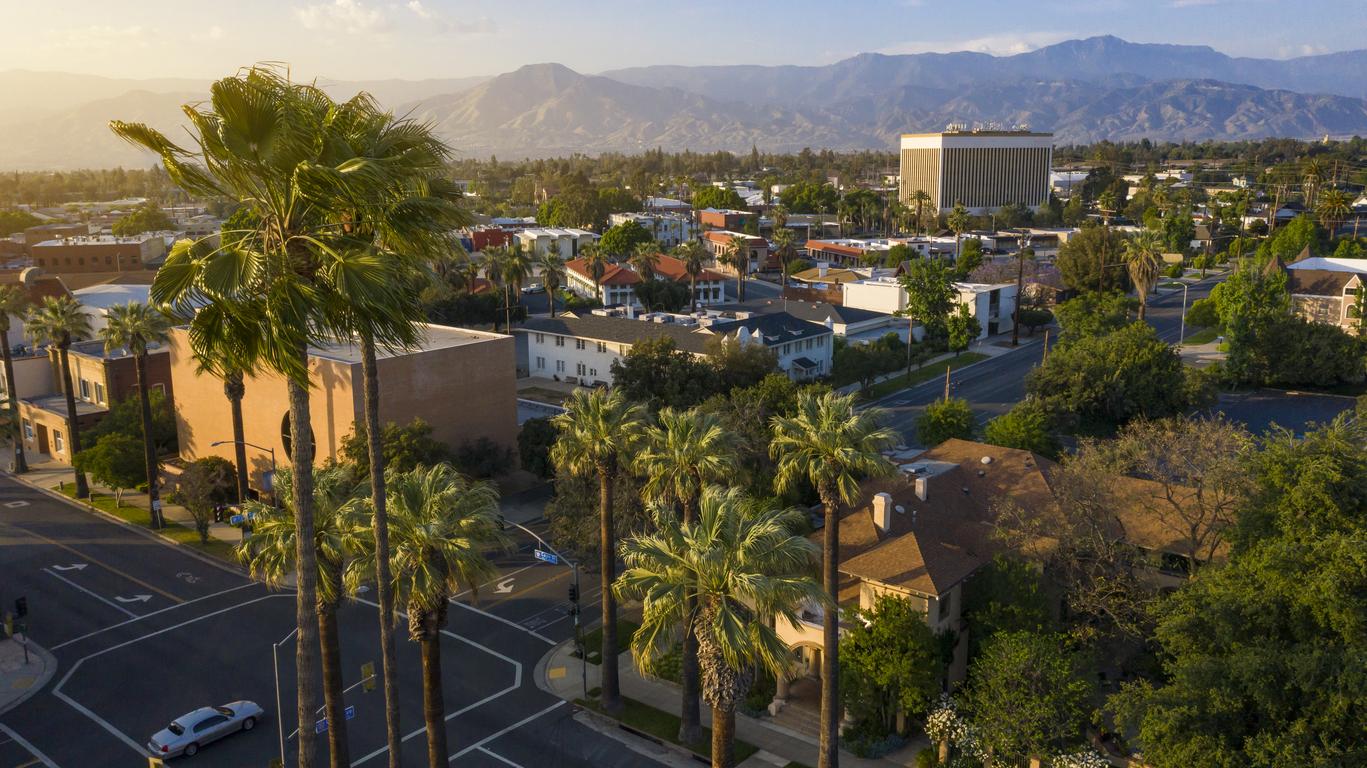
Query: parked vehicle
534,288
187,733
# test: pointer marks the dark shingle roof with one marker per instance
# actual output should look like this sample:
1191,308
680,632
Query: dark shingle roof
777,328
812,312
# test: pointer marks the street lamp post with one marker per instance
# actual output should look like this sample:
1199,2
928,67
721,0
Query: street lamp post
279,713
578,632
275,498
1182,334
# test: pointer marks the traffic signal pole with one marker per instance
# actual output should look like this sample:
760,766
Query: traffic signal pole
574,605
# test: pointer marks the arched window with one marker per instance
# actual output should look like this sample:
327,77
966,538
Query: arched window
286,433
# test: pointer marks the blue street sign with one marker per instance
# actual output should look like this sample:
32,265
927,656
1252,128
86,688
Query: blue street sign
547,556
350,712
322,725
251,515
235,519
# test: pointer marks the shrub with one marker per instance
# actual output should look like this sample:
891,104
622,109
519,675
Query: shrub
928,758
1175,271
484,458
1198,263
534,446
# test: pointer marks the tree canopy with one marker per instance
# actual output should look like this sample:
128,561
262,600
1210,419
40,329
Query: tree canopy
147,218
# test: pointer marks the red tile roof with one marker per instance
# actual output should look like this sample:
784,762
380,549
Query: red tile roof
612,274
674,268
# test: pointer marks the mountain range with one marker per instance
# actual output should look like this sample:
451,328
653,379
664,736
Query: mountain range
1081,90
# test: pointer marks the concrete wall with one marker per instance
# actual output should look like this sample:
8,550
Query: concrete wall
32,376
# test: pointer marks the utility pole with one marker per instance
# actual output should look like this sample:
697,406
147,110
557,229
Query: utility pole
1046,346
947,370
1020,279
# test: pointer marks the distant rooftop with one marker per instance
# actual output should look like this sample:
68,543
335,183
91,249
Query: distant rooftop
436,337
98,240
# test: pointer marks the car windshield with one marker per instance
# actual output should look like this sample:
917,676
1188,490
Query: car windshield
224,711
176,729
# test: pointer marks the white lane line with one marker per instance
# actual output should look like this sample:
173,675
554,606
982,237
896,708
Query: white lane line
150,615
517,683
92,594
57,690
499,757
514,726
538,636
31,749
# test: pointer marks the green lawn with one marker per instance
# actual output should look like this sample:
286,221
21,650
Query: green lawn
142,518
644,717
928,372
593,641
1204,337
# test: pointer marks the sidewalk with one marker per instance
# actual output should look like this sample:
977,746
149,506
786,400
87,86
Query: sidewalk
20,680
1202,355
560,673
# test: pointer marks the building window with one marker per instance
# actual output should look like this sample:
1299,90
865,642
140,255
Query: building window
560,341
99,392
42,262
159,388
58,441
602,346
109,260
541,338
621,349
28,430
68,261
809,343
559,366
578,343
80,261
85,389
541,363
944,606
821,341
579,369
593,372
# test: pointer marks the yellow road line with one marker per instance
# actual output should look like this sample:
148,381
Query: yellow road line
84,556
560,575
26,765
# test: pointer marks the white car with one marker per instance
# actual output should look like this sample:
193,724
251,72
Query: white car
187,733
534,288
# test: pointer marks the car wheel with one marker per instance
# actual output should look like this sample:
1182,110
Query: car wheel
249,724
190,749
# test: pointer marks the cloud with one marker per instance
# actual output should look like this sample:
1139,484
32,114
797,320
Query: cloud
215,33
997,45
345,15
443,24
1293,51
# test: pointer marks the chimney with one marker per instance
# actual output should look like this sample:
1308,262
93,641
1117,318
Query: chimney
821,270
882,512
921,487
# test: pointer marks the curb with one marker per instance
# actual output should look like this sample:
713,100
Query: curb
49,669
987,359
191,551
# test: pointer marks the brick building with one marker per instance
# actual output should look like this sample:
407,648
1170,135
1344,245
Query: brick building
105,253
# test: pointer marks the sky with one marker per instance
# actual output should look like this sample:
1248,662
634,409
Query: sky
416,39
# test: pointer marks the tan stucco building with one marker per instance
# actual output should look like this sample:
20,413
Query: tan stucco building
462,382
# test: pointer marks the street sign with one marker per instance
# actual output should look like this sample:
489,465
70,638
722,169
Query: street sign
156,505
350,712
251,515
368,676
322,725
235,519
546,556
268,480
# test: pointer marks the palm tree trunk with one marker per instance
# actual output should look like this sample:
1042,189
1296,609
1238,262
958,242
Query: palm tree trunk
20,463
149,451
306,659
723,737
73,431
233,390
692,286
385,585
334,701
611,696
433,705
690,717
829,756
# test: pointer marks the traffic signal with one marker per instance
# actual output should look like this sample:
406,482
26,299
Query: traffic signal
574,593
21,608
368,676
218,513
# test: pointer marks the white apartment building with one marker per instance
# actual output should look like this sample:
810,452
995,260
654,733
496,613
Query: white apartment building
991,304
668,228
618,283
536,240
580,348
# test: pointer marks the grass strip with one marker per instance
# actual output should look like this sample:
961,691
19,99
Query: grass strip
924,374
593,641
659,723
143,519
1204,337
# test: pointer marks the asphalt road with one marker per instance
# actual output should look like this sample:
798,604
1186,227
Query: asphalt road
144,633
993,386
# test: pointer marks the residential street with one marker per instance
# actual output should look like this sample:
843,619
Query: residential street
144,633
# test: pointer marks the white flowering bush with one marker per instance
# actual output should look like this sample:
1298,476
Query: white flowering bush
1087,758
944,722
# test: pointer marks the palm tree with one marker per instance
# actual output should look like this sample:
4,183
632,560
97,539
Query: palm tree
300,277
60,322
958,222
552,271
134,326
1106,205
693,255
738,562
738,252
269,553
1313,176
684,452
645,257
1145,264
779,215
596,262
1335,206
14,305
234,388
440,528
920,199
785,248
830,444
597,430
